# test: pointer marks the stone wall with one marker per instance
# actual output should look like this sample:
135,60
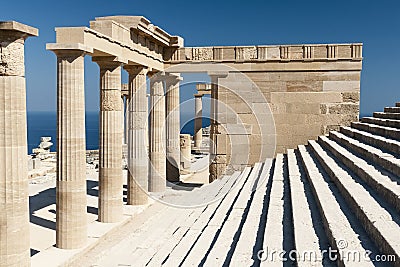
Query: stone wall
308,104
276,97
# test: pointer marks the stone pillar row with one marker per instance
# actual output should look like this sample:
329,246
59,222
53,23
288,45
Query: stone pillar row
71,195
164,146
71,223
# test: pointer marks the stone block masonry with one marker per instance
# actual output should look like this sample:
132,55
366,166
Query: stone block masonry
309,90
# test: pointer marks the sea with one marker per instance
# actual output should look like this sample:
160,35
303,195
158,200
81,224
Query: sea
45,124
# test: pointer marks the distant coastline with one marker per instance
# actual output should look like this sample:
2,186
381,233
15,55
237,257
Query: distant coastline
44,123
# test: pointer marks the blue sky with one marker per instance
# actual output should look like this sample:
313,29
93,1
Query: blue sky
375,23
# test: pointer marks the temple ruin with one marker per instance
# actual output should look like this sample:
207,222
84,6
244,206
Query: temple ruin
265,101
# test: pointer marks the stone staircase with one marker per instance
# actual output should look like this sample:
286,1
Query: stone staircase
333,202
354,177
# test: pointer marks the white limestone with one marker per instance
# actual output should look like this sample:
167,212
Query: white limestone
173,127
71,223
157,148
137,137
14,215
110,148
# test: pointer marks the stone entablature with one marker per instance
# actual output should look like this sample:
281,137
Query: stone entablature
301,52
130,39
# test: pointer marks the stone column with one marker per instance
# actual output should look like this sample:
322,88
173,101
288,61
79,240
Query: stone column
110,148
71,218
125,101
198,134
137,136
218,138
173,126
185,147
157,146
14,196
125,119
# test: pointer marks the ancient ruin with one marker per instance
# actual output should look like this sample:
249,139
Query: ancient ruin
286,170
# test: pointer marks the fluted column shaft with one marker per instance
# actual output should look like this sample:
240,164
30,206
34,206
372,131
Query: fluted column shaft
125,100
110,147
172,127
157,177
14,196
217,165
198,134
137,136
71,218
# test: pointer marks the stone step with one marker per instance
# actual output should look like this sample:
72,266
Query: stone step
273,235
385,160
377,222
229,226
220,209
164,243
392,109
305,235
398,104
220,220
389,145
384,115
147,240
243,253
384,184
387,132
340,233
382,122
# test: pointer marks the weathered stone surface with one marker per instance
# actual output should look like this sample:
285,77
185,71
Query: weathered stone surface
110,147
137,136
205,53
341,86
173,127
185,147
353,97
14,195
12,57
198,121
246,53
157,149
110,100
71,223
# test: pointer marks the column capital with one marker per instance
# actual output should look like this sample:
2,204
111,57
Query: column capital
69,49
17,30
198,95
108,62
136,69
156,76
218,74
172,78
